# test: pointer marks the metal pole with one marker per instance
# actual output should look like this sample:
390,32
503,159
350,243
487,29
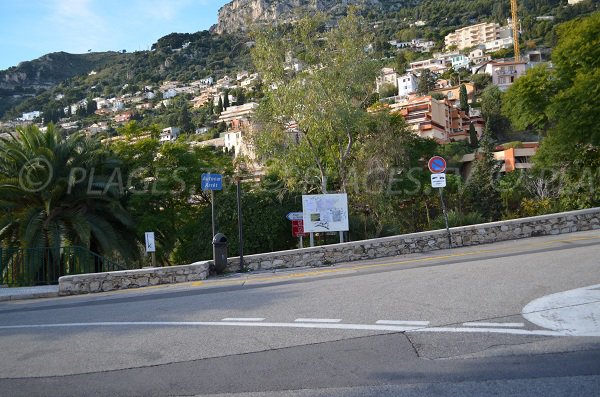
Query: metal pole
153,259
301,242
312,239
445,217
240,228
341,237
212,206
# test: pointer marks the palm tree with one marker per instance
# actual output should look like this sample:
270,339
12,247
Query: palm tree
57,191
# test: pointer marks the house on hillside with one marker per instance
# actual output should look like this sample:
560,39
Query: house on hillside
503,72
437,119
407,84
169,134
387,77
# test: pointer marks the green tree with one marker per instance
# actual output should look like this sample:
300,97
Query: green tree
325,100
225,99
481,191
185,120
473,141
62,192
426,82
463,98
526,101
219,109
491,110
164,187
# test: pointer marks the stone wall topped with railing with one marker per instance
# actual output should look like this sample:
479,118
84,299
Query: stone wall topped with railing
566,222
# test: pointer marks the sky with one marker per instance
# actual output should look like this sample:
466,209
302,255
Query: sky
32,28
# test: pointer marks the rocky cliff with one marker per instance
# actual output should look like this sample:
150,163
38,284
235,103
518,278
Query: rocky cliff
239,15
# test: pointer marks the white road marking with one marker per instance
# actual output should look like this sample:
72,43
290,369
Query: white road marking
395,322
358,327
574,312
317,320
482,324
243,319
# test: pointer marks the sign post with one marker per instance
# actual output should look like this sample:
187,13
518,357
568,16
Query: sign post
212,182
297,226
437,166
151,246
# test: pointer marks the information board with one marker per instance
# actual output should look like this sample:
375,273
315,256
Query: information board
325,212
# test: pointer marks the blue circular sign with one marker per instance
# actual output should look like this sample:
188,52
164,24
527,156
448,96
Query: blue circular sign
437,164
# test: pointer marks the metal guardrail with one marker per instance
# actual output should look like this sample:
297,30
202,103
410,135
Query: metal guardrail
20,267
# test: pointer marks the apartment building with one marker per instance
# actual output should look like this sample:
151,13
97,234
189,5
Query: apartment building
511,158
437,119
473,35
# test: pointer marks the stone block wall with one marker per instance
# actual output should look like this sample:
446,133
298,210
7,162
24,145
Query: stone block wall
124,279
553,224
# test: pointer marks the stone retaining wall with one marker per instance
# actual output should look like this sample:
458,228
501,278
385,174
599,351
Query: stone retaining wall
124,279
565,222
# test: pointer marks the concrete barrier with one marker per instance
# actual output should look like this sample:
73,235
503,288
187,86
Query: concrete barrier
565,222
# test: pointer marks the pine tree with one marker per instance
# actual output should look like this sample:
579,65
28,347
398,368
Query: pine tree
481,191
473,136
225,99
219,108
464,99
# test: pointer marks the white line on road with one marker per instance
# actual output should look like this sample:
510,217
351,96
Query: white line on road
395,322
318,320
358,327
482,324
243,319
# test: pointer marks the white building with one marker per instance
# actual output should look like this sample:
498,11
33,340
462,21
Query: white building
504,73
170,93
478,56
473,35
407,84
30,116
495,45
169,134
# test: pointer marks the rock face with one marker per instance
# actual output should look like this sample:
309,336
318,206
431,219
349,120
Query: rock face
239,15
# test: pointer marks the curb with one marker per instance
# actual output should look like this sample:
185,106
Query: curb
37,295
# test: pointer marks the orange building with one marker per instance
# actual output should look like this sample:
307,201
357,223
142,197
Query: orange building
437,119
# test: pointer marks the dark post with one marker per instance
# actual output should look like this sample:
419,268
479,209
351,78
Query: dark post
445,217
212,205
240,227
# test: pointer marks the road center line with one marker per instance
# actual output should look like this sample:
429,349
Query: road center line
317,320
482,324
243,319
394,322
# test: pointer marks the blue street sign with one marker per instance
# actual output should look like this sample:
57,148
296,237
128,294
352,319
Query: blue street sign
212,182
294,216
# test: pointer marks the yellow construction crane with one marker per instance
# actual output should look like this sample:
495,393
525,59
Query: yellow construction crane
515,29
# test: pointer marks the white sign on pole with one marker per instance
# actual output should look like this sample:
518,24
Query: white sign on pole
150,247
325,212
438,180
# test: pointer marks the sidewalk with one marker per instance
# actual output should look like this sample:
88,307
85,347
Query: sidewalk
42,291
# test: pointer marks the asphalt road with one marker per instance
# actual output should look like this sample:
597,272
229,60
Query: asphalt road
513,318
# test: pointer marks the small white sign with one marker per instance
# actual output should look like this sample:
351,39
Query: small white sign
150,247
438,180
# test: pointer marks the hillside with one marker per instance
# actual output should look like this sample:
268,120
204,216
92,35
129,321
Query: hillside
33,77
177,56
34,85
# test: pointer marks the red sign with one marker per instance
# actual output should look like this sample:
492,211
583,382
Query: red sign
298,228
437,164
